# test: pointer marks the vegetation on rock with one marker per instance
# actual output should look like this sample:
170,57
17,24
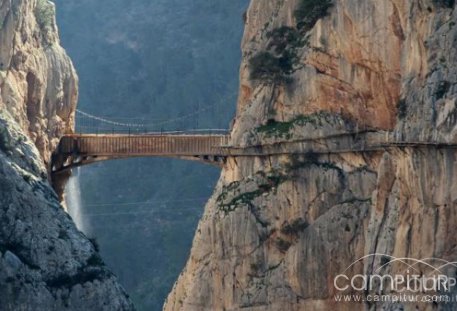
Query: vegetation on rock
5,142
401,109
310,11
444,3
295,227
442,89
280,129
277,62
44,13
282,245
266,67
237,197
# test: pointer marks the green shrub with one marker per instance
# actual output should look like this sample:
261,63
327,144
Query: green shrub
283,38
27,178
442,89
282,129
277,62
95,260
312,157
246,197
295,227
282,245
95,244
266,67
310,11
276,129
44,13
449,4
256,266
273,180
5,141
81,277
63,234
401,109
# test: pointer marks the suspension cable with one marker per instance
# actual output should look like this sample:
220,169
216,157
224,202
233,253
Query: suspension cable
91,116
145,125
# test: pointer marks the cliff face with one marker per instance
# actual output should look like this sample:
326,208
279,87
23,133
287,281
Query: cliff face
45,262
37,79
278,229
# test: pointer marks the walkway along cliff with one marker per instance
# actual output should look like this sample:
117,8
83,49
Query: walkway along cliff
280,227
76,150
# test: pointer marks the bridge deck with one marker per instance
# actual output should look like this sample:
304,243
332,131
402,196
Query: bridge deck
80,149
143,145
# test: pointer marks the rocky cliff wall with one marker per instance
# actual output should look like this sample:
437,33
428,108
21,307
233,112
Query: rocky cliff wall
37,79
45,262
278,229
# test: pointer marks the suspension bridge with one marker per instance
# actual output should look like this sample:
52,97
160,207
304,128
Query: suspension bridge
211,146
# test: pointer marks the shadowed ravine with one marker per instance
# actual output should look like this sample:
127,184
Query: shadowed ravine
339,165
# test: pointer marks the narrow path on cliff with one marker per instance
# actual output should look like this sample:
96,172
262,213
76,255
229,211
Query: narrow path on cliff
211,146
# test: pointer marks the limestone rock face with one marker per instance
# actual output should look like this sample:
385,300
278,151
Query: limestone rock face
278,229
37,79
45,262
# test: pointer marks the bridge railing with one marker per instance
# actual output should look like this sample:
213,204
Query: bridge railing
138,145
147,131
90,124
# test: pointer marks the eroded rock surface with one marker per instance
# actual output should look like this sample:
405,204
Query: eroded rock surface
278,229
37,79
45,262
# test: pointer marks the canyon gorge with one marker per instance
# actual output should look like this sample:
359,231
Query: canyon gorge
277,229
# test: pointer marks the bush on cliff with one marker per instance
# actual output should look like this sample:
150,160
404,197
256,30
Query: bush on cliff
449,4
5,141
44,13
264,66
442,89
402,109
310,11
277,62
284,38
